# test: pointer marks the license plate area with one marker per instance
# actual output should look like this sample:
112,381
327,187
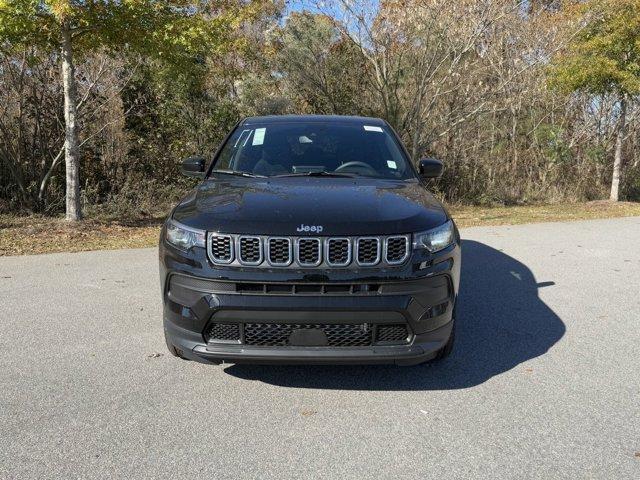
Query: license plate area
308,337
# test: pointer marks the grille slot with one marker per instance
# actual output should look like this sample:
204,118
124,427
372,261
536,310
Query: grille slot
339,289
250,250
279,252
397,249
278,288
225,332
308,288
249,288
368,251
221,248
392,334
338,252
277,334
309,252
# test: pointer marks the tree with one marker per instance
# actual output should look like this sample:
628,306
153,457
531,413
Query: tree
172,31
604,59
321,66
419,52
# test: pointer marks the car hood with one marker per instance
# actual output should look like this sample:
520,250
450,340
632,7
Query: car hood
282,206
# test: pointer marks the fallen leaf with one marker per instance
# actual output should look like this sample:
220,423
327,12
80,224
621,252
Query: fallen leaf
308,413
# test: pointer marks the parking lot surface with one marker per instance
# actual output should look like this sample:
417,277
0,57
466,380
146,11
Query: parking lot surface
544,381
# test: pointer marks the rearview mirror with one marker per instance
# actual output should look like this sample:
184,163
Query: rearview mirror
430,168
194,166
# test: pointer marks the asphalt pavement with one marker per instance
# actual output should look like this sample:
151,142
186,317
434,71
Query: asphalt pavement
544,381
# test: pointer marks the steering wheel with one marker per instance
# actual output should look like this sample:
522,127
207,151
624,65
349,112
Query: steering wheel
357,165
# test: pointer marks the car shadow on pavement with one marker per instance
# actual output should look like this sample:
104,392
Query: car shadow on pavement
502,322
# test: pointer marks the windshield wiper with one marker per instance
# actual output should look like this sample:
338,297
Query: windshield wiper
318,174
238,174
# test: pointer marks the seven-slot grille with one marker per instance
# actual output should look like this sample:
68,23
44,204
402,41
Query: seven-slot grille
334,252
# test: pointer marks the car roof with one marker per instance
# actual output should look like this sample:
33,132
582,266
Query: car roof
313,119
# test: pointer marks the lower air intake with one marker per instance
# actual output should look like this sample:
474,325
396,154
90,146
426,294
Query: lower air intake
392,334
277,334
224,332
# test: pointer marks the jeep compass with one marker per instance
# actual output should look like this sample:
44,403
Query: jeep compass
310,239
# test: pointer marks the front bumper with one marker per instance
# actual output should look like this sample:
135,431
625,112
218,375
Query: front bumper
424,306
420,295
423,348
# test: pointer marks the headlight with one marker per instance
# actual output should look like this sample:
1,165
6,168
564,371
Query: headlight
435,239
183,237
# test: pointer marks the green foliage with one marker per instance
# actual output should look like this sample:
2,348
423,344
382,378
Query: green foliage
174,116
552,144
596,154
171,30
324,66
604,57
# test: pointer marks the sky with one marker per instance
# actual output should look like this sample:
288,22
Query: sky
330,7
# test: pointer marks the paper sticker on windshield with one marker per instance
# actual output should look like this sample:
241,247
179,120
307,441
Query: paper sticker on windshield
392,164
371,128
258,136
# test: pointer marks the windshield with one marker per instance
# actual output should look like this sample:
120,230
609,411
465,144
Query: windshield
314,149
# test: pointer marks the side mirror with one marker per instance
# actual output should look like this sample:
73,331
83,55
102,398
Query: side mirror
194,166
430,168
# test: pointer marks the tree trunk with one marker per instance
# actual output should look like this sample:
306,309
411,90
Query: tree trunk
73,208
617,162
47,176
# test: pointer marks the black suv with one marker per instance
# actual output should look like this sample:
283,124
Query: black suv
311,239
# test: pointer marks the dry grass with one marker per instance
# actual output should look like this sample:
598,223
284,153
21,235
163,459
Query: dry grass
37,234
466,216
